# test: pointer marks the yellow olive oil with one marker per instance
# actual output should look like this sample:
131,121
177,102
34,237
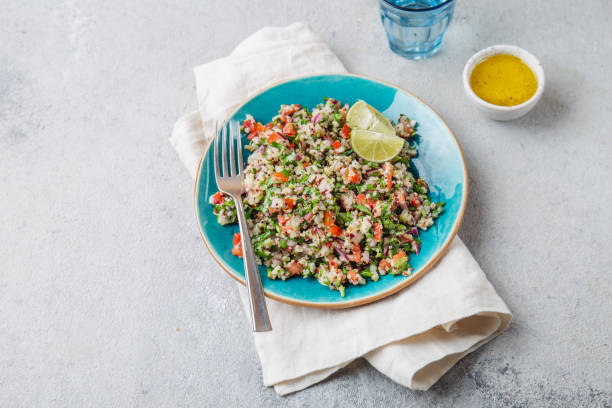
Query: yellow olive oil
504,80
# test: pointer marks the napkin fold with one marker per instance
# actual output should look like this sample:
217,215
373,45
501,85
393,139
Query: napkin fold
414,336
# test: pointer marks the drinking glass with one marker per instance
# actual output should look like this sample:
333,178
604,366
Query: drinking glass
415,28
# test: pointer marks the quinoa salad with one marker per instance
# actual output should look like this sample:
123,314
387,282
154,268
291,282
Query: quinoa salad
316,209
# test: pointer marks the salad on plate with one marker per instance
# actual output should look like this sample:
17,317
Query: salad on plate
330,195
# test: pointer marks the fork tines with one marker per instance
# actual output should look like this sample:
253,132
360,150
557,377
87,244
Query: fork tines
235,143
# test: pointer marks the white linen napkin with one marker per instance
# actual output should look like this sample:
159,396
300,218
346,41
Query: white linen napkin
414,336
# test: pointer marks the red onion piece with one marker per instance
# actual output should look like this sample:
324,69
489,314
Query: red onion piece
342,254
414,231
316,118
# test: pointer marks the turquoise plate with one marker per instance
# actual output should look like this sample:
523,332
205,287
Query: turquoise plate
440,162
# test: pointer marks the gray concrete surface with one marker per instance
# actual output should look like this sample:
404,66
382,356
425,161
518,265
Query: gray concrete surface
107,294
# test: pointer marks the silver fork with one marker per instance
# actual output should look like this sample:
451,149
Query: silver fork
230,182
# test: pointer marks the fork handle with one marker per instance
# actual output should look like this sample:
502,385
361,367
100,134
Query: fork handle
259,312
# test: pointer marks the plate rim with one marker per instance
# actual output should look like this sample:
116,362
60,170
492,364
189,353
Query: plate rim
371,298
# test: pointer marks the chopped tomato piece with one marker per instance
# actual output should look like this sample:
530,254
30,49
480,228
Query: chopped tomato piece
335,230
351,176
286,228
400,198
384,265
252,135
415,202
237,245
362,199
329,218
273,137
308,216
248,124
295,268
378,232
290,145
289,203
336,145
353,277
356,253
282,219
333,265
288,129
217,198
400,254
388,169
346,131
280,177
259,127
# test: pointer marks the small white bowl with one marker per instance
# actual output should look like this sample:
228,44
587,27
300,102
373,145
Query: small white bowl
497,112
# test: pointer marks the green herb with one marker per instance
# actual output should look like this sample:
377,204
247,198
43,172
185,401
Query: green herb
401,159
388,224
419,189
306,209
344,217
439,208
363,208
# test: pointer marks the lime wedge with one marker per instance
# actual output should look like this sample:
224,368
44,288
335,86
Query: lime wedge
375,146
363,116
373,136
